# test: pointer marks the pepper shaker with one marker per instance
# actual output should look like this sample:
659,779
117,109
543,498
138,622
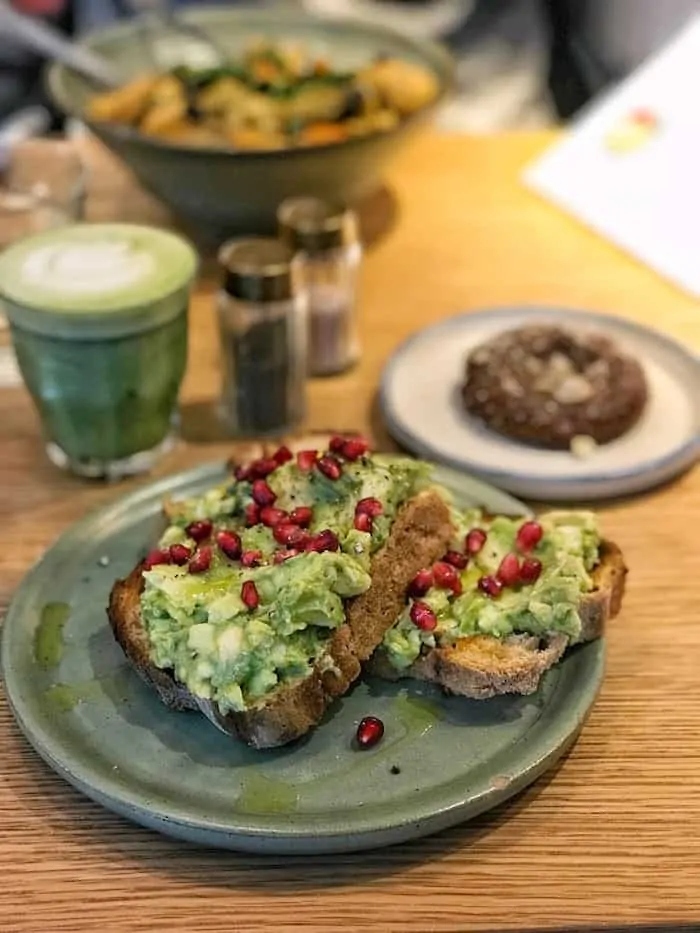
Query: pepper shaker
325,240
262,325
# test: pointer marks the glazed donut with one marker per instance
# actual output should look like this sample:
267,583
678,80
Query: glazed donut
546,386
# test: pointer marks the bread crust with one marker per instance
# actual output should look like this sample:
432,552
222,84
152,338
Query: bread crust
421,532
482,666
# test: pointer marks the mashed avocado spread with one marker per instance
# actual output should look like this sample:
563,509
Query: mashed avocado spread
232,648
567,552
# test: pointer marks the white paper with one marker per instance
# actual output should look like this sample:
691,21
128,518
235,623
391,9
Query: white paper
637,182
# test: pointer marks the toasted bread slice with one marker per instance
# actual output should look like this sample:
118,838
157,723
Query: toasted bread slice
420,534
482,666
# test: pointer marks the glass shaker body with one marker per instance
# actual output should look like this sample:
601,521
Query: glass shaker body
263,335
330,280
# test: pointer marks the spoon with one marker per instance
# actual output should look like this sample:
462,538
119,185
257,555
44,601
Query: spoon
40,37
155,14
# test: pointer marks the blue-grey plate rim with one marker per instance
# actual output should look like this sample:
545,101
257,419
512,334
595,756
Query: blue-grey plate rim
683,457
546,740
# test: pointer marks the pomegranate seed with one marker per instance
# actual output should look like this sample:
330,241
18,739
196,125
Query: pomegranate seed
180,554
290,535
242,473
270,516
456,559
306,459
423,616
330,467
529,536
251,558
262,494
363,522
249,595
325,540
279,557
261,468
475,540
445,575
490,586
369,732
252,514
159,556
301,516
530,570
421,583
369,506
508,572
201,560
282,455
199,531
336,444
230,544
354,448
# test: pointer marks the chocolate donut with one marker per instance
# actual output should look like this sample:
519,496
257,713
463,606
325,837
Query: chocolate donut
546,386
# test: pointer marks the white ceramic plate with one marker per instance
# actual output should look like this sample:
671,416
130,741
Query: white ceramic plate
430,20
422,407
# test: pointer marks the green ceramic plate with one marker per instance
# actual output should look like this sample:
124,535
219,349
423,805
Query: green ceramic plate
442,760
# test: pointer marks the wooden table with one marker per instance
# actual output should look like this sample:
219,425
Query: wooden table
612,835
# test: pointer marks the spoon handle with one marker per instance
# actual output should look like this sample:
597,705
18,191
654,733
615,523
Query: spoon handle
40,37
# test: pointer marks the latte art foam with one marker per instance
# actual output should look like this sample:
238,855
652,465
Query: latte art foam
82,268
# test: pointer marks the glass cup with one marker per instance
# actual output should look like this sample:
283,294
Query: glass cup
98,318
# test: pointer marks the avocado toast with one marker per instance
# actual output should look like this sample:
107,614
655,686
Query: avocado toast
504,603
265,595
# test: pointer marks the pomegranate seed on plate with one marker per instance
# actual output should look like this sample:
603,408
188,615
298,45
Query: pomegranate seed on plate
369,732
456,559
279,557
423,616
271,516
421,583
282,455
529,536
252,514
363,522
370,506
158,556
230,544
242,473
336,444
251,558
180,554
290,535
490,586
445,575
530,570
325,540
249,595
330,467
261,468
201,561
199,531
301,516
306,459
509,570
262,494
354,448
475,540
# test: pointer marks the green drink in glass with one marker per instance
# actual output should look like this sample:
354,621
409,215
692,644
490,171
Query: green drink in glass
98,318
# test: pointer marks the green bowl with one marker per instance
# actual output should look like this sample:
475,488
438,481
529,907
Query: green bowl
232,192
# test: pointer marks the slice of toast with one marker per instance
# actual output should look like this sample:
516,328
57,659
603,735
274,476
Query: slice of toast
482,666
419,535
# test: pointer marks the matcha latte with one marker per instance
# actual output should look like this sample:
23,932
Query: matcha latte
98,316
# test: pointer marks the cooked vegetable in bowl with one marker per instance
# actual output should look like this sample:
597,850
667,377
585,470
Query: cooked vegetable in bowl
274,97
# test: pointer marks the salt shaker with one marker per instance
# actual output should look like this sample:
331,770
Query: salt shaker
262,323
325,240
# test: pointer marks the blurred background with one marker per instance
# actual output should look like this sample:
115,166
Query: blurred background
520,63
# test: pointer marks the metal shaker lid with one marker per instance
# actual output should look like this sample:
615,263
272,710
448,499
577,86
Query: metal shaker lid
311,225
257,269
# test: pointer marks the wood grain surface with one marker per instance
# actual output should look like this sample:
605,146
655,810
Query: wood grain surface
613,835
